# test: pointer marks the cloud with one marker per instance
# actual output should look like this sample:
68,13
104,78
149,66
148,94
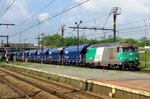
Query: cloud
93,5
18,11
71,19
130,6
43,16
131,10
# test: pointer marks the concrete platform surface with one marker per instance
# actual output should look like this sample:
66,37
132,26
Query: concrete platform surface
133,80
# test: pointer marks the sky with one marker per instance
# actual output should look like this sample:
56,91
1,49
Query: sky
132,22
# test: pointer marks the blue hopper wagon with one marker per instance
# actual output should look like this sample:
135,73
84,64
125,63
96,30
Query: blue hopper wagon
72,56
32,55
44,55
54,55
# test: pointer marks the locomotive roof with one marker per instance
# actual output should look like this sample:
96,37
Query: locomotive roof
105,44
116,44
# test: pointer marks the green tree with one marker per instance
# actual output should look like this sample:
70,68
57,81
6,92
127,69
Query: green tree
110,40
144,41
130,40
52,41
56,41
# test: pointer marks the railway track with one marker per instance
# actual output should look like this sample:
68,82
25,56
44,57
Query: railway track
21,93
144,71
54,89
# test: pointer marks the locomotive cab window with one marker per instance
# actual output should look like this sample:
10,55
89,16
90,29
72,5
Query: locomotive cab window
119,49
128,49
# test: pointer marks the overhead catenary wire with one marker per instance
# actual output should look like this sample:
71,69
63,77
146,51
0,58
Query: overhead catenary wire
133,22
52,1
3,5
7,8
55,15
107,18
93,19
121,31
139,30
131,28
120,25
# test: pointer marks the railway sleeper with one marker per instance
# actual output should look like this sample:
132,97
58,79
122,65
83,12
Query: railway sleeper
55,92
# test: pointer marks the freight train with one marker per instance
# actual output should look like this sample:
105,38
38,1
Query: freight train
123,56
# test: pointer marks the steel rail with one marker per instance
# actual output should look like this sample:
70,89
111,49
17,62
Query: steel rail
49,90
15,88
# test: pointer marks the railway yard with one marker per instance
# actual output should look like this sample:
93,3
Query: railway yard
75,49
17,85
32,80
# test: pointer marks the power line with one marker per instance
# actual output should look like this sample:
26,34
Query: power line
37,12
2,7
132,22
107,19
89,20
9,5
95,18
55,15
133,28
71,32
138,30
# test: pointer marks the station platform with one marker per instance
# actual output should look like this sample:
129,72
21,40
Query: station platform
132,82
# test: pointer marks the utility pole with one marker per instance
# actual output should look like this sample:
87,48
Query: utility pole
20,37
115,11
78,42
7,46
7,37
62,30
38,39
24,47
145,46
7,26
42,35
24,43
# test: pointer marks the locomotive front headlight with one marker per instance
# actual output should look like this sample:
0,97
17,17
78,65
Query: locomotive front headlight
136,59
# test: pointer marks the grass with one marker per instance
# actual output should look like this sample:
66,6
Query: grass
22,63
142,59
2,63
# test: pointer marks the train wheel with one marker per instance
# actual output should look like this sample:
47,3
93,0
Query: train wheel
132,68
114,67
123,67
110,66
